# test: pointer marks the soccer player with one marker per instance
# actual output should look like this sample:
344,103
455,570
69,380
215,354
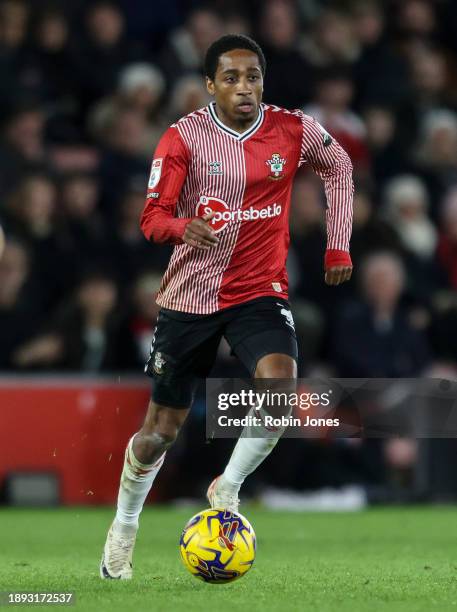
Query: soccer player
220,190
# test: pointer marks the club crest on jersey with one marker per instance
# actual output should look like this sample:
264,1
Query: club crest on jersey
156,171
215,168
276,164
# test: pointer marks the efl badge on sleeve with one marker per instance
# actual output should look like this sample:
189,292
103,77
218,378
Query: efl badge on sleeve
156,171
326,138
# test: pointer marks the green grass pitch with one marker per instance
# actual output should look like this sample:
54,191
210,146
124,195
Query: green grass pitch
383,559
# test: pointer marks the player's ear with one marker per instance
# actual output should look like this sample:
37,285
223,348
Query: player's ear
210,86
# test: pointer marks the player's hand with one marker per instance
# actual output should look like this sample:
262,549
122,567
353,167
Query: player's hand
199,235
337,275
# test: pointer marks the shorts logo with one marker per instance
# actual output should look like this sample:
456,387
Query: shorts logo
276,164
287,315
224,215
158,364
215,168
156,171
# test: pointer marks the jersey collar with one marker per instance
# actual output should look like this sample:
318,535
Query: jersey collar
244,135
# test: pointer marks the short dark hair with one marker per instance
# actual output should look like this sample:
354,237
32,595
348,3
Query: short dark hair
229,43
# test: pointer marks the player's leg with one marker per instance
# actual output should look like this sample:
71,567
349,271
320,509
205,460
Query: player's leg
183,350
268,355
144,456
250,452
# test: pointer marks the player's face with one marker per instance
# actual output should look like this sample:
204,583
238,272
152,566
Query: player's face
237,87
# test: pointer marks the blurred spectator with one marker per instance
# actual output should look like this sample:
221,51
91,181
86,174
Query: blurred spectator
32,208
188,94
32,218
417,19
82,228
388,156
370,232
22,145
104,51
127,155
307,226
137,328
51,74
331,40
131,251
14,18
405,210
83,334
140,89
406,203
288,78
431,82
436,157
187,46
331,106
52,55
89,326
19,302
14,15
374,337
380,73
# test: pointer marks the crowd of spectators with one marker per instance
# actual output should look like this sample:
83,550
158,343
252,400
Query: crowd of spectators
86,90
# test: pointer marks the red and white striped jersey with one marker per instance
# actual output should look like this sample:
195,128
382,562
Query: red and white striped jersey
201,165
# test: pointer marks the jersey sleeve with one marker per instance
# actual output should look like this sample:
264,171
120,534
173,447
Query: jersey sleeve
329,161
168,173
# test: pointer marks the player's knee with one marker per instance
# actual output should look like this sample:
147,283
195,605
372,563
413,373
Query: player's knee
164,438
161,428
276,366
157,441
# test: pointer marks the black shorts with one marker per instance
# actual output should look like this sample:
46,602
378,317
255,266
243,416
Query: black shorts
185,345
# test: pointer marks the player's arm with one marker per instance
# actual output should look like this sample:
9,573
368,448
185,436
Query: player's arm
168,173
332,164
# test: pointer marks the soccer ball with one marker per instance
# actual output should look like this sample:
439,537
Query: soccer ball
218,546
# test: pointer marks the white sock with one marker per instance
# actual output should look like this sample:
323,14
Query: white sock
136,482
248,454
